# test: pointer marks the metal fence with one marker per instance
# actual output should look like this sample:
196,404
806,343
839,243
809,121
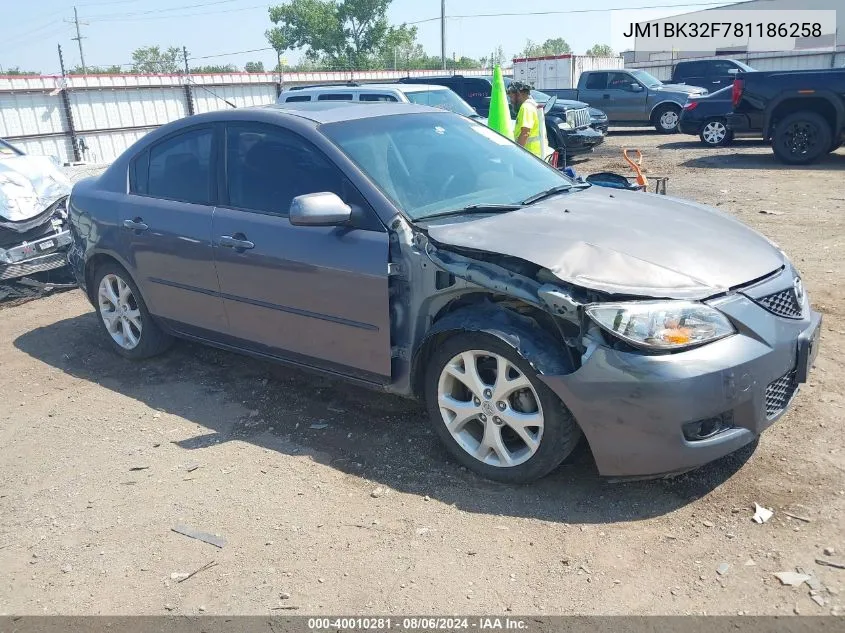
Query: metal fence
782,60
94,118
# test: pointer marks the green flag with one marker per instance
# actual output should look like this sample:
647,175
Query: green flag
499,118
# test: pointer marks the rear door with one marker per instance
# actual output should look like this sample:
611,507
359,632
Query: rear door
595,92
690,73
166,230
317,295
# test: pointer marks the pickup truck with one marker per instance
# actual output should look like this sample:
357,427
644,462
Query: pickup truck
802,112
713,74
632,97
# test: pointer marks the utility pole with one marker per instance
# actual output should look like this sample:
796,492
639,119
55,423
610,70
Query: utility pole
79,39
443,33
185,55
61,60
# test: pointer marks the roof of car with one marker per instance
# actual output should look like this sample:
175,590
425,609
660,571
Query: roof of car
368,87
334,111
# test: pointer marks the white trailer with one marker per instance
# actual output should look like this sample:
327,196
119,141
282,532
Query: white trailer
559,71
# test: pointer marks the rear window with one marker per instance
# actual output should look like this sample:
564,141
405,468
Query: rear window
335,96
298,98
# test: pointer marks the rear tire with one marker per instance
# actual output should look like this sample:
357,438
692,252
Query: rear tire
124,316
509,426
714,133
801,138
667,118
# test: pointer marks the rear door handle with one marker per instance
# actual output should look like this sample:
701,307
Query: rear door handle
237,241
135,225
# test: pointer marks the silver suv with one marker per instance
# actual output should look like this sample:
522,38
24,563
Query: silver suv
421,94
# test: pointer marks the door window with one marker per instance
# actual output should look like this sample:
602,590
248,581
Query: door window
719,68
596,81
376,97
297,98
179,168
620,81
267,167
335,96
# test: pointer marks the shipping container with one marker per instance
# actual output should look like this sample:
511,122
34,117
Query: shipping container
559,71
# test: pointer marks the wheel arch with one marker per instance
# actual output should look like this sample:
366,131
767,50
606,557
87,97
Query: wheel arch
544,352
663,103
93,263
821,102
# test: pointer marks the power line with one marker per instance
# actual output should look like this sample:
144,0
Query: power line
182,15
253,50
179,8
571,11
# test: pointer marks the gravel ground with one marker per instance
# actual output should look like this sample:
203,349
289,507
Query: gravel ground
366,515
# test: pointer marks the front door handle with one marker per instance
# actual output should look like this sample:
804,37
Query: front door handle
135,225
237,241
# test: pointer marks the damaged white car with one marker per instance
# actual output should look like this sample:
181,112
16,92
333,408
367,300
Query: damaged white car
34,235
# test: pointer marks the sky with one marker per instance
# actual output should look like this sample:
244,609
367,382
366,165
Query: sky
215,31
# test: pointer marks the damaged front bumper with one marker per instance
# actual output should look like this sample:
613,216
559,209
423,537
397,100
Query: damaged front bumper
649,415
35,249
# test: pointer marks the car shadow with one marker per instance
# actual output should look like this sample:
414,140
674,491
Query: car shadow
695,143
377,436
765,160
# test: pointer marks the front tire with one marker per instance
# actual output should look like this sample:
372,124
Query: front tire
801,138
714,133
493,413
124,316
667,118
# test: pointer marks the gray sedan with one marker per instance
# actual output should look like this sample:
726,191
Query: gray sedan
415,251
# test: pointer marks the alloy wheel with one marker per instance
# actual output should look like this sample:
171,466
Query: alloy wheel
714,132
800,137
120,311
669,120
490,408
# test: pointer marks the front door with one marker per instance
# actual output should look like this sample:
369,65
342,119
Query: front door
166,230
318,295
628,96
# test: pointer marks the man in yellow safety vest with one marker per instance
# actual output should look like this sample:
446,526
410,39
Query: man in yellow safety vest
530,128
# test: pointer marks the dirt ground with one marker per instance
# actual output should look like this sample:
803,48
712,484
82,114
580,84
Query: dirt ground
102,457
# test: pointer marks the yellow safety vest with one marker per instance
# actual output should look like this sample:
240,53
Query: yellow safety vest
531,115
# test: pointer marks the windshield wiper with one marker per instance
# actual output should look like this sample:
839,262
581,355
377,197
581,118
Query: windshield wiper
547,193
475,208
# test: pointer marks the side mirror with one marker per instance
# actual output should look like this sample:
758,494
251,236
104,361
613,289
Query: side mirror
319,209
635,87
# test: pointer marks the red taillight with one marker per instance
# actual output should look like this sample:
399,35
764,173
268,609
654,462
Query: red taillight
692,105
736,93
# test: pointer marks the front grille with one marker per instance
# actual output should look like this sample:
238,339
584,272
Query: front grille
582,117
779,393
784,304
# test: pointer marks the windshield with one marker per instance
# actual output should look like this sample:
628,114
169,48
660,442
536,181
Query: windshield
433,163
646,79
442,98
744,67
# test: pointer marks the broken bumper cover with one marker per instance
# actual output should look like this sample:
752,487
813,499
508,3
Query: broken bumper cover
581,141
46,253
633,407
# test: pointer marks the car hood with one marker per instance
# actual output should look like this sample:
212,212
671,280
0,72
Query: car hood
683,88
28,186
623,242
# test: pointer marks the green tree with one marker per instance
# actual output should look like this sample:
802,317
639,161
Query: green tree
496,58
98,70
556,46
601,50
17,71
338,33
254,67
153,60
214,69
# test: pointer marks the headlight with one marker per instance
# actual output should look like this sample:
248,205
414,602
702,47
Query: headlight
663,325
566,125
